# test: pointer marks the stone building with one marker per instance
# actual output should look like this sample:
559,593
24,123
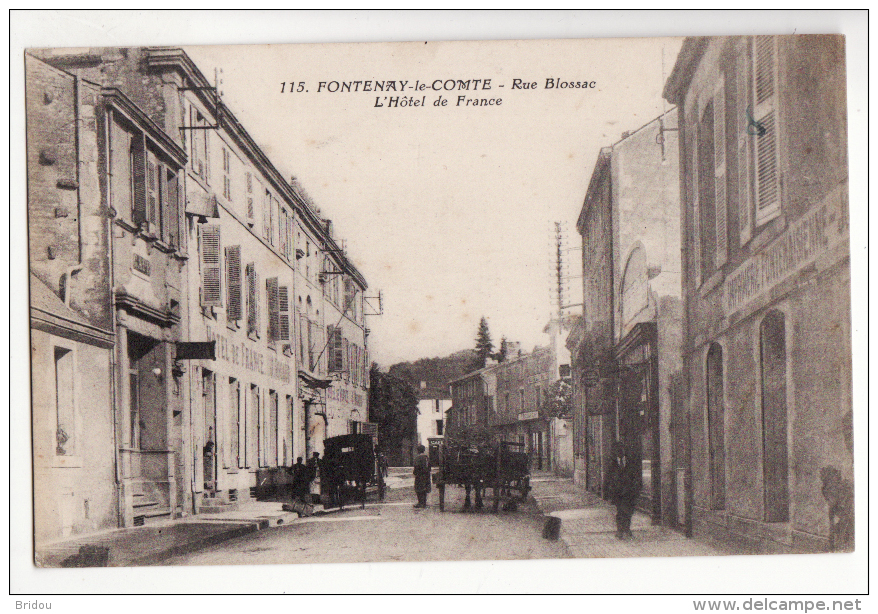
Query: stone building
236,322
626,347
766,286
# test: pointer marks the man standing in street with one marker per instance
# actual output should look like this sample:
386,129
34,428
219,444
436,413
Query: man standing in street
623,486
422,476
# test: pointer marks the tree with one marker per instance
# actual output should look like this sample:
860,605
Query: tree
559,399
484,345
393,406
504,350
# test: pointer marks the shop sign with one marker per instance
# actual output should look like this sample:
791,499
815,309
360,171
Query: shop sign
815,233
528,415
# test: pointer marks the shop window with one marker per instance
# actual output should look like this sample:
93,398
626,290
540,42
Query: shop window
774,417
65,403
716,426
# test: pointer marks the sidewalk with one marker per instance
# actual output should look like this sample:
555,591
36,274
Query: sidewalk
588,525
148,545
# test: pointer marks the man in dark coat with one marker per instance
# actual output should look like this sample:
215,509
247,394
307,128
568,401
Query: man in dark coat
301,478
623,487
422,476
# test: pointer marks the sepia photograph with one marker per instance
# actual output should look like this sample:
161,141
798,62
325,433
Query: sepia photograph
554,300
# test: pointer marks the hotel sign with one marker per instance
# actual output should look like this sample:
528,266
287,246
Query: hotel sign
818,231
528,415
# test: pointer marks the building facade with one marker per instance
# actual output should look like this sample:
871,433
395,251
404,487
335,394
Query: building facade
236,322
431,418
626,347
767,336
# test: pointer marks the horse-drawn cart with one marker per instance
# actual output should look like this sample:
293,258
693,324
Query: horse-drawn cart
504,467
349,462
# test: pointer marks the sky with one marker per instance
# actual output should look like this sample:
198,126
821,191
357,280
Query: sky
448,211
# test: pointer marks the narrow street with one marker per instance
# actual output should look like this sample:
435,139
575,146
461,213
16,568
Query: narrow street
391,531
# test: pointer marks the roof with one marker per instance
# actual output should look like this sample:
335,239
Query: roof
50,314
684,68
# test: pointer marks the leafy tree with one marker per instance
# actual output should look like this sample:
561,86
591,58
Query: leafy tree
558,402
484,345
393,406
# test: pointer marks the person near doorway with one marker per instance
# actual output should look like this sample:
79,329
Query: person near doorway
314,477
301,479
623,487
422,476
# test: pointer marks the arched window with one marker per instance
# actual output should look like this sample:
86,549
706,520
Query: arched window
775,464
716,426
635,297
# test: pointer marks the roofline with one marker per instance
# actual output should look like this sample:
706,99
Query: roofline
681,75
175,58
120,102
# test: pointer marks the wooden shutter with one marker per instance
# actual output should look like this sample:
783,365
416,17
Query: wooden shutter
745,218
138,172
347,359
333,335
273,314
283,304
765,94
274,400
695,226
266,215
233,279
303,337
120,167
311,341
211,285
252,299
234,422
719,182
250,213
172,208
153,168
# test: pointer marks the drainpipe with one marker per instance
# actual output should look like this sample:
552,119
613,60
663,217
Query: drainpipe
70,271
114,367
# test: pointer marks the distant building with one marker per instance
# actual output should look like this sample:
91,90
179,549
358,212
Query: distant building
626,347
431,416
767,289
509,401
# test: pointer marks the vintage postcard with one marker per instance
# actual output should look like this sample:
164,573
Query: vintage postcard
440,301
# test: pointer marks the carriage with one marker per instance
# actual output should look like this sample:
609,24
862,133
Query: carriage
350,463
503,467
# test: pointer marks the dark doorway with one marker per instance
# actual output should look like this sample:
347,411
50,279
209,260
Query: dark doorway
774,417
716,426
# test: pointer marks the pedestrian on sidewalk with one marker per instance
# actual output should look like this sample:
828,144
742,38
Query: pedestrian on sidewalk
623,486
422,476
313,465
301,479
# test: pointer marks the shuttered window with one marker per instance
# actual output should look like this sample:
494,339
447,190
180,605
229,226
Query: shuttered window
719,174
303,340
252,300
211,284
335,348
234,422
766,148
347,359
120,168
707,191
233,281
273,311
266,215
283,302
138,173
312,339
171,218
251,214
745,217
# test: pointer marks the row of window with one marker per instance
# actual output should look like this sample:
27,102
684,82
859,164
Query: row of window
256,423
242,302
735,126
144,185
246,194
345,357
